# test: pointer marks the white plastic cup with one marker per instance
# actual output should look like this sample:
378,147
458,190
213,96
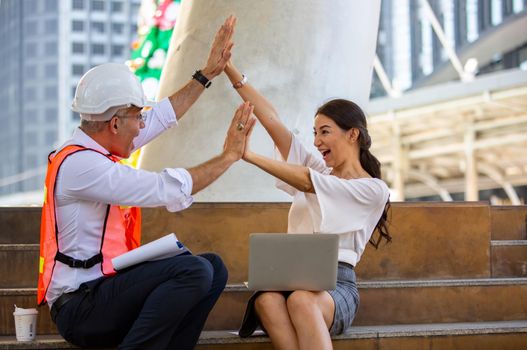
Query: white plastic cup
25,323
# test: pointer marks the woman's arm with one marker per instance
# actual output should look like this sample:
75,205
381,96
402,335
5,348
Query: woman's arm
264,111
295,175
219,55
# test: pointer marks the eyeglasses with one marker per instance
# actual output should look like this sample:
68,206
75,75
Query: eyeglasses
141,116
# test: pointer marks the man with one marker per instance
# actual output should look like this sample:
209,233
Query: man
87,217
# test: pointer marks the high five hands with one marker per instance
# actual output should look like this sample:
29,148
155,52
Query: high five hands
238,135
220,52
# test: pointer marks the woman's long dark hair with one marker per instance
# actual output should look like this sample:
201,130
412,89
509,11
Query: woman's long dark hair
348,115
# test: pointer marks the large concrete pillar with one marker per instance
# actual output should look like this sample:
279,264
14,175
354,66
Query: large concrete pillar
299,53
471,167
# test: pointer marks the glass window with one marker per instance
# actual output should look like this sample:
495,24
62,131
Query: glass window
50,70
496,12
77,4
135,9
31,50
51,6
51,136
77,26
73,88
117,28
51,48
30,72
31,28
30,115
31,6
117,50
77,47
517,6
77,69
51,115
97,49
50,26
472,20
97,5
117,6
51,92
98,27
30,94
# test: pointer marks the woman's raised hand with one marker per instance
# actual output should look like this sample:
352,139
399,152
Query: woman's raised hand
237,140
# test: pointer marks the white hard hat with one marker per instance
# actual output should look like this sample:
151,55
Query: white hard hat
104,89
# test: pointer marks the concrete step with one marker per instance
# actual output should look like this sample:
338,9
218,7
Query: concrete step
509,222
405,302
20,225
25,298
18,265
382,302
508,335
509,258
430,240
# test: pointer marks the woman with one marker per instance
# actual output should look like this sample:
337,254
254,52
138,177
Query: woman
340,193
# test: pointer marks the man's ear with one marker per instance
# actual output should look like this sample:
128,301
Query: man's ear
114,125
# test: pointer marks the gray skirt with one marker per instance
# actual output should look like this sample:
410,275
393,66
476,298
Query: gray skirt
345,296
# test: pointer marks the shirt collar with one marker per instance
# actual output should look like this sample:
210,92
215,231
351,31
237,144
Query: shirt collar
83,139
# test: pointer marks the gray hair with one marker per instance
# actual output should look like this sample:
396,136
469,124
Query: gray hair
91,127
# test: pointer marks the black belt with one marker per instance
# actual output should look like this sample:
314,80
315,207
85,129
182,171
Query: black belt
345,264
64,298
76,263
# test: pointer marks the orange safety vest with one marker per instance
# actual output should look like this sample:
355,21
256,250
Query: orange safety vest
121,231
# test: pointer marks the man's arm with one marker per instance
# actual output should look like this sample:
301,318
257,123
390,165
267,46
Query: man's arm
206,173
219,55
233,149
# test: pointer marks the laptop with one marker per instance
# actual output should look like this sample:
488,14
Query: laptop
285,262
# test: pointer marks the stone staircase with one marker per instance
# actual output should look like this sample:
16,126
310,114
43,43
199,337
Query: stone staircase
455,276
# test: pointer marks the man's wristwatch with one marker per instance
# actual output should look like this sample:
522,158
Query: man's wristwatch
201,78
240,83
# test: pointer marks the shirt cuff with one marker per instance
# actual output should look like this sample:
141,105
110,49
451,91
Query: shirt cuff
166,113
183,177
281,185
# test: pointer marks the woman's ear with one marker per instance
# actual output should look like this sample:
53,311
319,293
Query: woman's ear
353,135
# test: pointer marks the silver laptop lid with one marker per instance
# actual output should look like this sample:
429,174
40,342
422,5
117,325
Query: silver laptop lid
283,262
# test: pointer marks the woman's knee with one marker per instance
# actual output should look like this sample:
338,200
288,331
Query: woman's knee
267,303
301,303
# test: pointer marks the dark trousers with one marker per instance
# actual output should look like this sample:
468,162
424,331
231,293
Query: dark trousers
156,305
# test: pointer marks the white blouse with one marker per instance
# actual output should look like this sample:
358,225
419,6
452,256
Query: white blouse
350,208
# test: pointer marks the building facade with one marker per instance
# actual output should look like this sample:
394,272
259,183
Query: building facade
413,56
447,120
46,47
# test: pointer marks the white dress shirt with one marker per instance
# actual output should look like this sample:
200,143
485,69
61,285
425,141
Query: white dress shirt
350,208
88,181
